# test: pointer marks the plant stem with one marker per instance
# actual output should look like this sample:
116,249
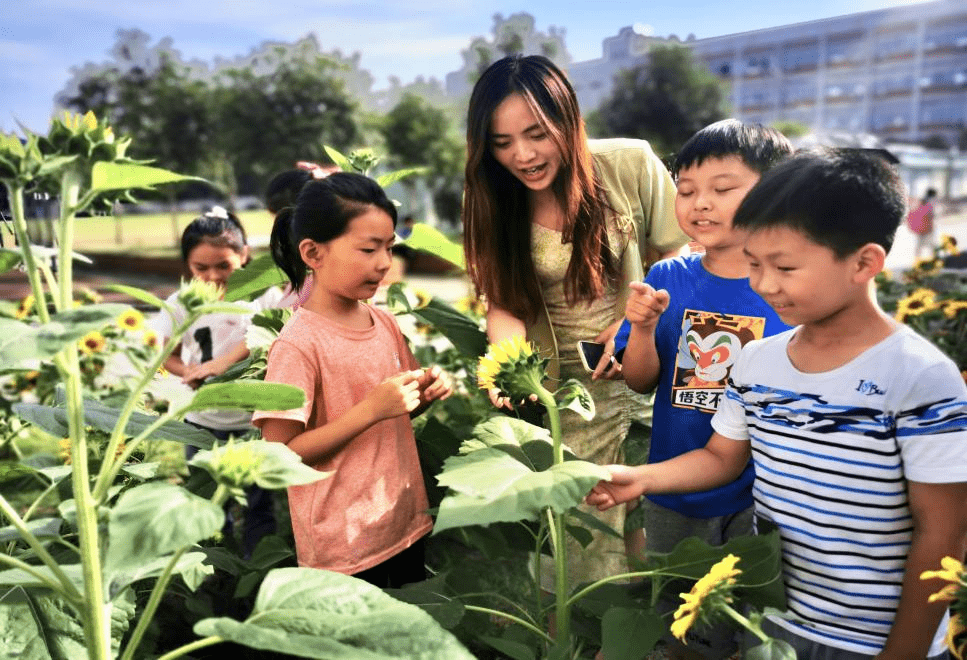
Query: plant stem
748,625
510,617
157,593
16,193
194,646
562,611
600,583
97,623
38,548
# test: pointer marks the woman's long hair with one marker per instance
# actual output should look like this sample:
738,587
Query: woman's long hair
496,210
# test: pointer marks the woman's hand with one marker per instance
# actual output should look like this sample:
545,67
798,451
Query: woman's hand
608,366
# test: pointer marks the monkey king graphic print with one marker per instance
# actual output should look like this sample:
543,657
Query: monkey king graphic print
708,323
709,345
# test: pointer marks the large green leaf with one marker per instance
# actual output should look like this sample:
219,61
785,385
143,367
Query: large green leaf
65,633
9,259
156,519
17,577
250,282
138,294
462,331
630,633
248,395
20,633
313,613
108,175
53,420
20,342
429,239
192,566
490,485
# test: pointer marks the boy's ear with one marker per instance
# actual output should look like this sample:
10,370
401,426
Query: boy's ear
870,260
311,252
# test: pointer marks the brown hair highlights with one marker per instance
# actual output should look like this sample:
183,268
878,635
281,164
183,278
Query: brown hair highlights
496,209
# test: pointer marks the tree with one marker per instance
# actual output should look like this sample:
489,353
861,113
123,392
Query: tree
791,129
664,101
417,133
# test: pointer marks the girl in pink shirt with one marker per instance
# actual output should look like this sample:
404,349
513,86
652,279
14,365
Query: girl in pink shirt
362,385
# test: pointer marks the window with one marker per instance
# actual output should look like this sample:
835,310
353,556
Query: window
894,44
801,57
891,115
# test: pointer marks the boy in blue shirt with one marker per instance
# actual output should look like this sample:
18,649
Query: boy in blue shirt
685,327
857,425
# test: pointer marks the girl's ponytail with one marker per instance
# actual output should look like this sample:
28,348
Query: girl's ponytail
285,253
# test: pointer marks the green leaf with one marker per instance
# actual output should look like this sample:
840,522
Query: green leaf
247,395
248,283
14,470
772,649
462,331
509,647
20,342
108,175
504,430
20,633
630,633
339,159
192,566
388,179
319,614
138,294
447,611
432,240
156,519
9,259
572,395
593,522
53,420
41,528
491,486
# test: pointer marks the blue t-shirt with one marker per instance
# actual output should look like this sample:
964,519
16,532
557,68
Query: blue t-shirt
698,339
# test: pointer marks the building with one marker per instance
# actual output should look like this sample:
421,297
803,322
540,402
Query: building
898,73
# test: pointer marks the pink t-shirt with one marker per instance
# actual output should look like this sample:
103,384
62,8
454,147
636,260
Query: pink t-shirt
374,504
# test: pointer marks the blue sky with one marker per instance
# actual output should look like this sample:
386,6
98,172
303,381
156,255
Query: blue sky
41,40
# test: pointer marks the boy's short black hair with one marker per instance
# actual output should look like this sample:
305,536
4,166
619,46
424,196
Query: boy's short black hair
839,198
760,147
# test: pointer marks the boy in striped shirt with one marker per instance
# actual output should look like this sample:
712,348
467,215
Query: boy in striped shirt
857,426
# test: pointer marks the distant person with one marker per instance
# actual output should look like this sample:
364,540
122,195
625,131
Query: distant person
362,385
686,325
282,192
921,222
213,246
856,424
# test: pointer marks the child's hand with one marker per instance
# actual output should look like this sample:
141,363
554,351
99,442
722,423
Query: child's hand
396,396
195,374
623,487
645,305
435,384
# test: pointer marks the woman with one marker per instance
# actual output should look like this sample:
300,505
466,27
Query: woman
555,228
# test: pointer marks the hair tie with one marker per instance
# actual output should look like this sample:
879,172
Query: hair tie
316,170
217,212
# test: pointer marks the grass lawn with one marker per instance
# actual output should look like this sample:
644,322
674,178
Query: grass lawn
156,234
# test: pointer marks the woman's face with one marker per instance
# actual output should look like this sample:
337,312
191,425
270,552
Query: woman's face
520,144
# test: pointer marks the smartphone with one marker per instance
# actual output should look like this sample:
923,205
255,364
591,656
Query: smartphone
590,353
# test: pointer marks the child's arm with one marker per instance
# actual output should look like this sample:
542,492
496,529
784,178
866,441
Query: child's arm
640,362
393,397
719,462
194,375
434,384
939,530
173,363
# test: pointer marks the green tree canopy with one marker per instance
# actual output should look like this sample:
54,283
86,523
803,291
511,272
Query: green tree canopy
663,101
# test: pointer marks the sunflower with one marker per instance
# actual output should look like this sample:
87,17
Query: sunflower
952,307
513,366
928,266
26,306
949,244
952,571
92,342
64,450
712,591
131,320
918,302
151,339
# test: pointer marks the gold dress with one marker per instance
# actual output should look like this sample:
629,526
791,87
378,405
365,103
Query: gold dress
598,440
